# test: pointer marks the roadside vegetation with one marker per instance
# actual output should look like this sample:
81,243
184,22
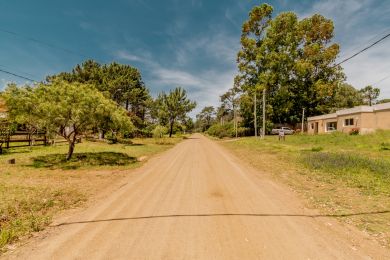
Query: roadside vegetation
105,117
290,62
43,183
343,175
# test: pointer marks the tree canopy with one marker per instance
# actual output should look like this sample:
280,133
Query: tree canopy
66,109
119,82
294,60
173,107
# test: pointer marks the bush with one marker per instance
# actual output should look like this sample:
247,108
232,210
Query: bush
226,130
354,131
159,131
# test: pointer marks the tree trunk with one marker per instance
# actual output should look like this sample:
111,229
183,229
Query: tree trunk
171,129
127,105
71,149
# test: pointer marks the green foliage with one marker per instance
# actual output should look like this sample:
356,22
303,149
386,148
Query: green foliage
346,96
159,131
370,95
294,60
352,168
226,130
354,131
67,109
119,82
172,107
205,118
382,101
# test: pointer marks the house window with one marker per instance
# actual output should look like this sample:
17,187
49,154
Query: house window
312,125
331,126
348,122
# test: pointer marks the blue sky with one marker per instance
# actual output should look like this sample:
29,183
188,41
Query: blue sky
189,43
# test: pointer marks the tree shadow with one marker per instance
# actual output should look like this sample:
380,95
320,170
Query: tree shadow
225,215
58,161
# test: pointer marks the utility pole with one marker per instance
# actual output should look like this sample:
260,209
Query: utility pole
255,114
303,119
263,132
235,122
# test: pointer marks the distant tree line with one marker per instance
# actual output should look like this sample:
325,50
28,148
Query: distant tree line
109,99
292,63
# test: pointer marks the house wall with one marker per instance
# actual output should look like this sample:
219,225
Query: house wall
311,130
382,119
348,128
366,118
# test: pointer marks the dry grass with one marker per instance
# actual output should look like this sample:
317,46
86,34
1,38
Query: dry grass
42,183
337,174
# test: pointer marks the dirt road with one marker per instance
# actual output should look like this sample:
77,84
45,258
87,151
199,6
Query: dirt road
196,201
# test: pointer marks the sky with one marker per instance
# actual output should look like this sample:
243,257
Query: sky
188,43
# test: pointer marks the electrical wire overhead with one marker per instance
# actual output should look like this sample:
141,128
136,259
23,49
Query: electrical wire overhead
363,50
17,75
53,46
379,81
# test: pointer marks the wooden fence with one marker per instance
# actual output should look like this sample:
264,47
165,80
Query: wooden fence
20,137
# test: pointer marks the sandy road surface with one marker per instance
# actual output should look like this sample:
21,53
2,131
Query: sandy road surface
196,201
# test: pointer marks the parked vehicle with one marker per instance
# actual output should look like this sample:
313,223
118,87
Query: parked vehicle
286,130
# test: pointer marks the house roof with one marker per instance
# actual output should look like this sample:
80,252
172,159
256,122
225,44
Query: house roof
353,110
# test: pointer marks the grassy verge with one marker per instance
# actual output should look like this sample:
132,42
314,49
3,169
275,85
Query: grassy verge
338,174
42,183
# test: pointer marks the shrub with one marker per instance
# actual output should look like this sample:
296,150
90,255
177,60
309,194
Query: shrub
354,131
159,131
226,130
385,146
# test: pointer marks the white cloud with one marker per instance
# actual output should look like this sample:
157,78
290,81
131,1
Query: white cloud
358,23
205,87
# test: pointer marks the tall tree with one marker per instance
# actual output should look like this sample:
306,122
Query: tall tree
66,109
206,117
119,82
370,95
251,58
173,107
294,60
347,96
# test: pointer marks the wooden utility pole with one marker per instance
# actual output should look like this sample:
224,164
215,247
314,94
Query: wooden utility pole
235,122
255,114
263,132
303,119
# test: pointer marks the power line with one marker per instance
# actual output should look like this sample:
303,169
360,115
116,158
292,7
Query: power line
17,75
366,42
44,43
379,81
18,71
363,50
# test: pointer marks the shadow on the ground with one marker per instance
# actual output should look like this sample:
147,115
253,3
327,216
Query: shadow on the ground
226,214
58,161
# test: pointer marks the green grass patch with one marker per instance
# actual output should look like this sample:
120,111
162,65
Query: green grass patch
335,173
371,176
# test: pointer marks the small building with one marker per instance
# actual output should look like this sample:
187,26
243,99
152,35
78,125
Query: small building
365,119
3,109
